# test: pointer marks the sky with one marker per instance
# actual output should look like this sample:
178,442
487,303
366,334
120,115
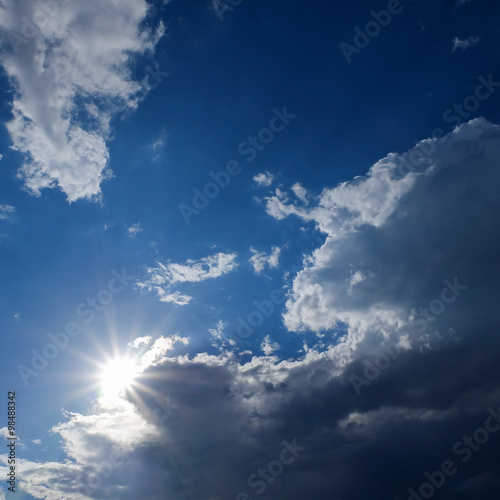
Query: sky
249,249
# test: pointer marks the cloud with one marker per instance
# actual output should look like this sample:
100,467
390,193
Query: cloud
134,230
71,68
358,282
138,342
160,141
264,179
7,212
268,347
300,192
464,44
392,241
231,418
160,347
261,260
162,278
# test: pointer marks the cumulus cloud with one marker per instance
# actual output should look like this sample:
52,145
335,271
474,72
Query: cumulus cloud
464,44
162,278
71,67
231,419
160,347
357,282
264,179
261,260
268,346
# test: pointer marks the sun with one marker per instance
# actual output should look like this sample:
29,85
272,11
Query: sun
118,376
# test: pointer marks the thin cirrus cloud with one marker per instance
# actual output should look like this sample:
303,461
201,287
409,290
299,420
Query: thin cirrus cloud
72,74
164,277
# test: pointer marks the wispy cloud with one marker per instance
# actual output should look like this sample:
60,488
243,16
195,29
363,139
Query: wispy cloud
134,230
165,276
7,212
464,44
160,141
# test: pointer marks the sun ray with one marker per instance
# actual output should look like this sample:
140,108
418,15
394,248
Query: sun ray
118,376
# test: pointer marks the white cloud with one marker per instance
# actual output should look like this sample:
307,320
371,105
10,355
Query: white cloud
300,192
134,230
219,339
464,44
7,212
72,73
268,347
162,278
138,342
356,281
160,142
370,199
156,353
261,260
264,179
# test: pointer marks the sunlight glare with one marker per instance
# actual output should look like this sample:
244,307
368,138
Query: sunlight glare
118,376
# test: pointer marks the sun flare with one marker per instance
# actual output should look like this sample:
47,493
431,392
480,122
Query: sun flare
118,376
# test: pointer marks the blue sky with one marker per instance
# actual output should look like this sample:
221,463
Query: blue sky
355,218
